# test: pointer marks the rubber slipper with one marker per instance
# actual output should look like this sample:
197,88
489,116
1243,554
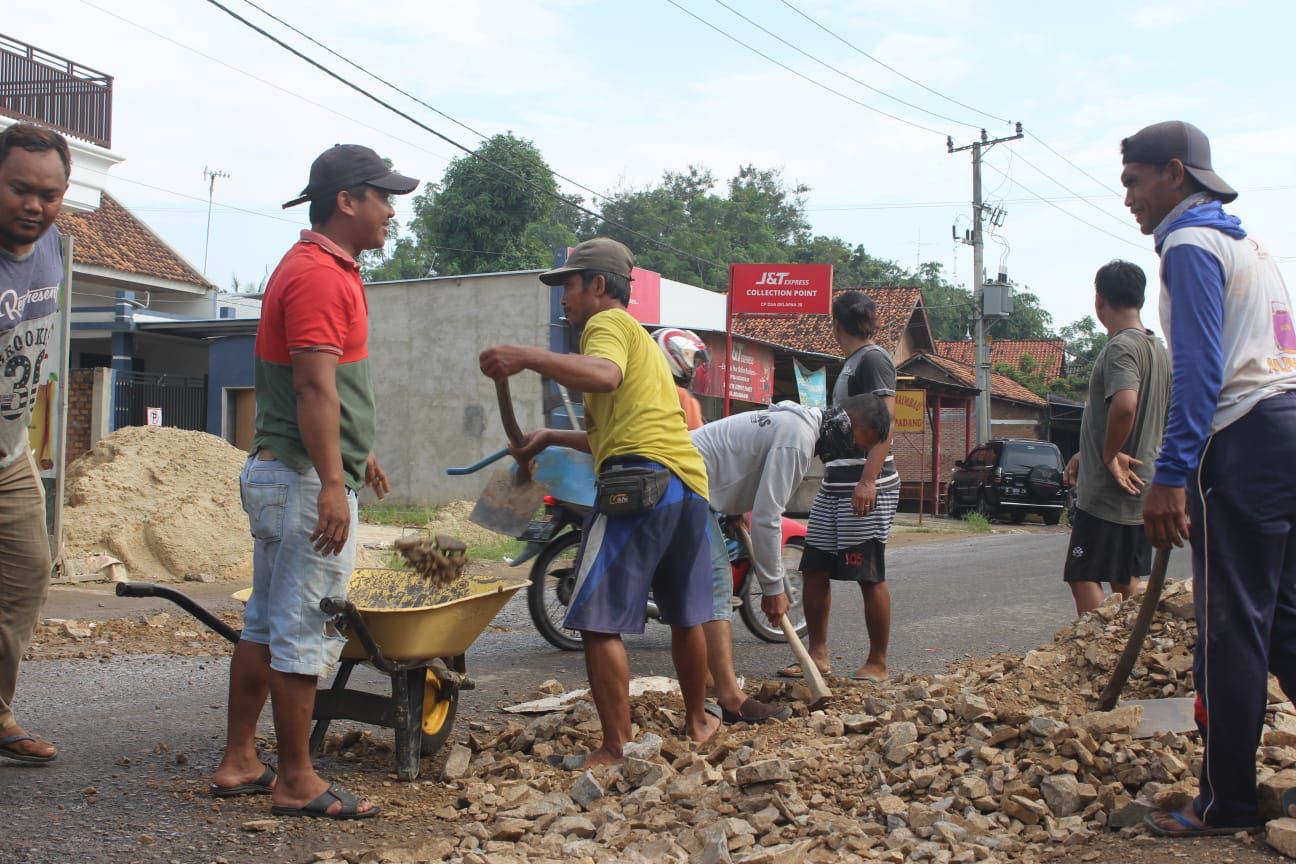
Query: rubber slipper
754,712
319,808
795,671
263,785
867,677
714,709
5,750
1185,827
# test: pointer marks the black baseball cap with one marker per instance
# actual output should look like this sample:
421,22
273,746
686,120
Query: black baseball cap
343,166
599,253
1174,139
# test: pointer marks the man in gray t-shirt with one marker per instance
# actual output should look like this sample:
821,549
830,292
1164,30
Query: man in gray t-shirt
1129,393
35,165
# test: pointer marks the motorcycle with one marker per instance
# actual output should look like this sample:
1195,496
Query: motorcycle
554,538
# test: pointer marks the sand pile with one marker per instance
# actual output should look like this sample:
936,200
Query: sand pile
165,502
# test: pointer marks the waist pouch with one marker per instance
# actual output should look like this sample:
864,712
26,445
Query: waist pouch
630,490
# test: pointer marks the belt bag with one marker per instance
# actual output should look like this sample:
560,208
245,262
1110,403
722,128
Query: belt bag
630,490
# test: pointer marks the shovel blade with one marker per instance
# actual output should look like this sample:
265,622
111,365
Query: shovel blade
507,506
1164,715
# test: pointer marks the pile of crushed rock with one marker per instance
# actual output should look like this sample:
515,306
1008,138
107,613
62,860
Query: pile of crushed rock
997,759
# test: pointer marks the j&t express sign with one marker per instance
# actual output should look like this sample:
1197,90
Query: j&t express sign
780,289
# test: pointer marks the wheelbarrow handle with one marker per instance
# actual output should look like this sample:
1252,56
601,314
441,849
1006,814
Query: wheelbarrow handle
184,601
478,465
347,613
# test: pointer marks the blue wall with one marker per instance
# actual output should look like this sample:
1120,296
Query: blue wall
229,364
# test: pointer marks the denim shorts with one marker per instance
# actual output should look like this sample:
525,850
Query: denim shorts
721,572
289,578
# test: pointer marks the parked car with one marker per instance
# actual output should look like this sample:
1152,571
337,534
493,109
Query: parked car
1009,477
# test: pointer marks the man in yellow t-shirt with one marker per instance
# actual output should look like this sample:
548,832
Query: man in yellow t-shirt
632,416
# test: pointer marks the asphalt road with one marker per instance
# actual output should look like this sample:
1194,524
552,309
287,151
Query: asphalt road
973,596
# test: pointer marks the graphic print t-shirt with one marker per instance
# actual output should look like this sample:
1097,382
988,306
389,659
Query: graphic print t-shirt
29,294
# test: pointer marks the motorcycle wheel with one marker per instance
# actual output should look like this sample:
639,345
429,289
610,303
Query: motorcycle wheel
553,577
750,610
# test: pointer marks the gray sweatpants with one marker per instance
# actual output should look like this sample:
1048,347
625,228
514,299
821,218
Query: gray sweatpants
24,571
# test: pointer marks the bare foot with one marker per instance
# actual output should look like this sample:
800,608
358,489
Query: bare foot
873,672
601,757
701,731
36,746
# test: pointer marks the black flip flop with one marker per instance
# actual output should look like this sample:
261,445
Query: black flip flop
263,785
29,758
319,808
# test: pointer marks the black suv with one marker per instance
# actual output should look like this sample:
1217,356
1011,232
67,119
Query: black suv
1010,476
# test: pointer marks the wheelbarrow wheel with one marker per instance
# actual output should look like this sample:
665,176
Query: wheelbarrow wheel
553,576
439,710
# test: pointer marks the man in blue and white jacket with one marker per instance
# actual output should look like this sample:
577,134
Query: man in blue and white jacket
1220,481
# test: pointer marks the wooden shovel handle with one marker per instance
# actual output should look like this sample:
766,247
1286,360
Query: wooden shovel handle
511,428
1134,645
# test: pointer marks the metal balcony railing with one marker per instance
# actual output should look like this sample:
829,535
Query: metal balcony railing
45,88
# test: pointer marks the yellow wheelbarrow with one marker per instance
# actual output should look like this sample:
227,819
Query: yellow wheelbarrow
420,648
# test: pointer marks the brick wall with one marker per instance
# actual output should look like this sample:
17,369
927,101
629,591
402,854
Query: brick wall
80,406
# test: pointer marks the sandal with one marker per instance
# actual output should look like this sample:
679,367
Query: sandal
7,751
319,808
754,712
263,785
795,671
1180,825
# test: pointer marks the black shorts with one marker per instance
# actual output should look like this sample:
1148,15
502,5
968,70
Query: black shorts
863,562
1102,551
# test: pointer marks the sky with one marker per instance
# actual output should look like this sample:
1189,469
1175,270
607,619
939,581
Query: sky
614,93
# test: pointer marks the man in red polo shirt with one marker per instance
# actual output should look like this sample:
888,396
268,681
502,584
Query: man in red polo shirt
310,456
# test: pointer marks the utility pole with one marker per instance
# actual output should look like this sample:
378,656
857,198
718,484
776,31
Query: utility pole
977,242
210,177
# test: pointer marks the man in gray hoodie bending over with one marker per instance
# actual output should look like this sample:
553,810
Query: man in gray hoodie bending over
754,462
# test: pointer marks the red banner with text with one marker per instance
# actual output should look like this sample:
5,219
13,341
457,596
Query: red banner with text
752,376
780,289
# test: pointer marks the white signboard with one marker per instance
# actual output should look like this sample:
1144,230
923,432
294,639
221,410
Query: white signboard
153,416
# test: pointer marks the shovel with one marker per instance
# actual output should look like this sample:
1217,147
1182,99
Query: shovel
820,692
1151,596
511,496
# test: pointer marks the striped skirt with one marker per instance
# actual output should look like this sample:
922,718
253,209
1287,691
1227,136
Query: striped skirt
834,526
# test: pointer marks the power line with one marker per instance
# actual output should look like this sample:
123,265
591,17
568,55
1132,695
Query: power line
859,50
404,92
1035,194
261,80
392,108
795,72
1046,146
1076,195
846,75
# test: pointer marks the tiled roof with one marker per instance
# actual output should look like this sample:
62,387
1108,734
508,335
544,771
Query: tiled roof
1001,386
1048,353
112,237
813,333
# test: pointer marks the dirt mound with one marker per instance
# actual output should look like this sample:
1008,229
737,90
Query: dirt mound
163,501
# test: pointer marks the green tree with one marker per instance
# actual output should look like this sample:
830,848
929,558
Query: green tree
948,306
1029,319
481,218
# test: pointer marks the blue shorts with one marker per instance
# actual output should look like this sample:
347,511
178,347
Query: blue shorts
289,578
721,572
622,557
